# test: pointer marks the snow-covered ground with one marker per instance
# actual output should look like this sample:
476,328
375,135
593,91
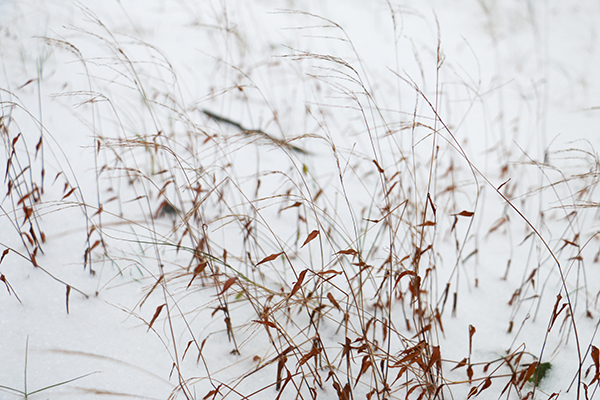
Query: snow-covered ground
306,199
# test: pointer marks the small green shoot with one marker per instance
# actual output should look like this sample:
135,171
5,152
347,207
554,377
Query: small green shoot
540,373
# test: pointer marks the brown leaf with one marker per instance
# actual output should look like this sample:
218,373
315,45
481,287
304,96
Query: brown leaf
299,282
161,192
197,271
412,389
472,392
462,363
438,318
596,359
406,272
296,204
342,393
28,236
486,384
329,271
333,301
529,373
391,188
366,363
227,285
25,197
472,331
349,252
556,313
287,380
433,208
280,365
266,323
156,313
68,293
33,259
38,145
158,281
269,258
186,349
310,237
4,253
465,213
313,353
409,358
213,393
435,358
427,223
70,192
100,209
499,187
381,170
15,140
400,373
28,211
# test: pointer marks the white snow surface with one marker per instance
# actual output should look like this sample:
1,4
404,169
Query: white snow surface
516,89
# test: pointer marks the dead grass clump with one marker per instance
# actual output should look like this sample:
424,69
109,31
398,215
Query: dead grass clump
324,262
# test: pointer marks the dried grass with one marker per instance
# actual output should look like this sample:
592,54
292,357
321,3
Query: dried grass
315,259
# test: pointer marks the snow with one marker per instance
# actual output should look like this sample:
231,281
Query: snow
123,93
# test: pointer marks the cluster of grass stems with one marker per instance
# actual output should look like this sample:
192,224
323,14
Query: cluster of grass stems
321,264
